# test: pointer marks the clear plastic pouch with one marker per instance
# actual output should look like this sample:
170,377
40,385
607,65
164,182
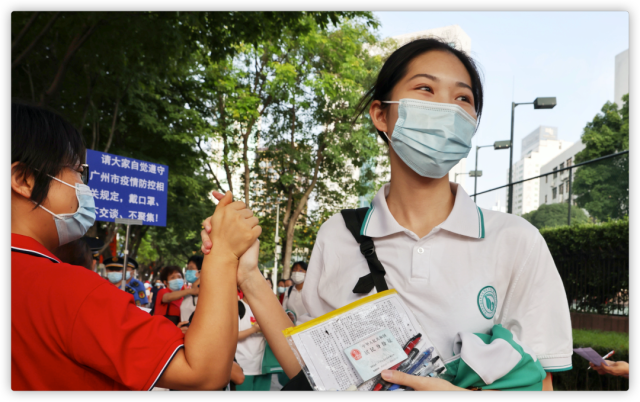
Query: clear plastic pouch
322,345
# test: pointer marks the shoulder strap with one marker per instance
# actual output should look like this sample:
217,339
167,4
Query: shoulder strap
353,218
290,290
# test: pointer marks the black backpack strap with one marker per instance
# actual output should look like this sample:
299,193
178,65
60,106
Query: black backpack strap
290,290
353,218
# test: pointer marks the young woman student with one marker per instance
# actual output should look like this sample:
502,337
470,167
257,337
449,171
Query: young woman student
71,329
460,268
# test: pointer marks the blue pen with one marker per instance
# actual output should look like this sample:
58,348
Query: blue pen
413,368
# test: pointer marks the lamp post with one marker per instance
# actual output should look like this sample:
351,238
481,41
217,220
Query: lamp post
538,103
475,173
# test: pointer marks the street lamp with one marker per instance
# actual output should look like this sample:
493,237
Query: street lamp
538,103
475,173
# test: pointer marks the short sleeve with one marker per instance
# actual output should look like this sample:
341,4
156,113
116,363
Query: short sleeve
113,336
310,298
536,309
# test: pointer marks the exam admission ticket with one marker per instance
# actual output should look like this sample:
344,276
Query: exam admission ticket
321,346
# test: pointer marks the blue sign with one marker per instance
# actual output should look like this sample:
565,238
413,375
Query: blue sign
128,188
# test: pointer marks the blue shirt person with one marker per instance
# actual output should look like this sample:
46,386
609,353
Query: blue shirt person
134,286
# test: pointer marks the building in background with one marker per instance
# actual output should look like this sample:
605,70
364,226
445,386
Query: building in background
621,81
538,148
554,188
497,207
456,38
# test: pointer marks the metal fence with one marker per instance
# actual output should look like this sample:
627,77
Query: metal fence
596,281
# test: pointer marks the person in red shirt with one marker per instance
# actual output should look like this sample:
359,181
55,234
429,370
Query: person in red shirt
170,298
71,329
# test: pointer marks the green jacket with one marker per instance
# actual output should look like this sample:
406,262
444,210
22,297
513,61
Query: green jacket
494,361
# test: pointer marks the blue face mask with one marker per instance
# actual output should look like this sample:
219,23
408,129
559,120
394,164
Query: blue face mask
73,226
114,277
431,137
191,276
176,284
280,289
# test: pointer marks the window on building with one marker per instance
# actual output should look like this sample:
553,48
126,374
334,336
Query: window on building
560,188
545,199
569,161
546,179
554,193
555,172
561,167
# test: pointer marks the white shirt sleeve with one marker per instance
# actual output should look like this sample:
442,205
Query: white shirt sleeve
310,299
536,309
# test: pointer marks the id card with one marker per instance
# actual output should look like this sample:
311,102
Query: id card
375,353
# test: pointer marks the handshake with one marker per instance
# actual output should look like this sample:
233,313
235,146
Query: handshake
232,232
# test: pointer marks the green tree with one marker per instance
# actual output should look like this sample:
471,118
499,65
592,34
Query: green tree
311,146
550,215
602,188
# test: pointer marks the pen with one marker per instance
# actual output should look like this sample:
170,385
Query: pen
414,367
403,366
408,347
432,374
605,357
427,369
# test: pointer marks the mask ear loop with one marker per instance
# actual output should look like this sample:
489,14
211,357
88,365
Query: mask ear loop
385,134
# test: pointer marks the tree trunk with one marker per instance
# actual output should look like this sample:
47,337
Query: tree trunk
245,161
291,224
56,84
24,30
34,42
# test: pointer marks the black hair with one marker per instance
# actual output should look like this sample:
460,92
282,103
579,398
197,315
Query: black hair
281,280
76,252
196,259
168,271
44,143
302,264
395,68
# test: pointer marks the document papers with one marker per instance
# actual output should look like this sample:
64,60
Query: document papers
321,345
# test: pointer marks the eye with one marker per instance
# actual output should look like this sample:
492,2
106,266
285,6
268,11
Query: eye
464,98
425,88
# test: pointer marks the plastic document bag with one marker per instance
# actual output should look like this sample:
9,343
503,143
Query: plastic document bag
340,350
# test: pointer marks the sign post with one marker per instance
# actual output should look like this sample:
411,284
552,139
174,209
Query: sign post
274,274
127,222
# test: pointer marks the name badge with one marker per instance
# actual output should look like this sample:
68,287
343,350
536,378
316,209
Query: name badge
375,353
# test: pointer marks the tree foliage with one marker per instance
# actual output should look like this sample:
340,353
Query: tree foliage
551,215
133,82
602,188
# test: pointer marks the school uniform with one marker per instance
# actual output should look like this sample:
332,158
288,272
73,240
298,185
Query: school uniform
249,354
293,301
72,330
188,307
476,269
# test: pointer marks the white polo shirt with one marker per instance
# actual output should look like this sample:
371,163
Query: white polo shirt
250,351
294,302
476,269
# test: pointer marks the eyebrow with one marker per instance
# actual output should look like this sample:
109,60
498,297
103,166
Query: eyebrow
436,79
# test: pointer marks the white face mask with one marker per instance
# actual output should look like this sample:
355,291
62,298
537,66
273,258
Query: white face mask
297,277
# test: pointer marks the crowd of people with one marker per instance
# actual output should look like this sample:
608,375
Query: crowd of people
217,324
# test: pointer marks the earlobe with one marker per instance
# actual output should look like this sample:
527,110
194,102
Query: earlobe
378,115
19,183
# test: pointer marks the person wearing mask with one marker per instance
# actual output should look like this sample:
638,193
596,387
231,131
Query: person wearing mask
72,330
169,299
132,285
281,290
458,267
293,296
188,305
288,283
157,285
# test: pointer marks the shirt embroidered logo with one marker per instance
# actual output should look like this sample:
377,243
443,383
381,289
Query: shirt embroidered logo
488,302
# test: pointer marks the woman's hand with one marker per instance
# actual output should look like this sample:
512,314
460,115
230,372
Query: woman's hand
233,227
184,326
256,327
418,383
614,368
248,264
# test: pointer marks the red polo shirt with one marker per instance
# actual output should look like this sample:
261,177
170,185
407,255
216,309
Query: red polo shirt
72,330
171,308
